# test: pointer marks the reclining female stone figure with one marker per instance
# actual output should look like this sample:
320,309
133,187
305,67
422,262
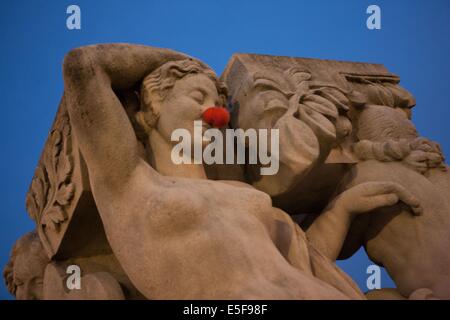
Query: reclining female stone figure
175,233
177,221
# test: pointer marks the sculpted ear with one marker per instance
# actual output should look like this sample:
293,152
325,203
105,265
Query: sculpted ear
148,116
143,122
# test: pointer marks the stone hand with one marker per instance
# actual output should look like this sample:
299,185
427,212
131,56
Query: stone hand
425,145
425,154
372,195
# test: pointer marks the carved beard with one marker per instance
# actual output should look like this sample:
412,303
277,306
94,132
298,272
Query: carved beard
300,146
322,127
320,115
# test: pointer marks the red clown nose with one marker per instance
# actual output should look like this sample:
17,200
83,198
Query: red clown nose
216,117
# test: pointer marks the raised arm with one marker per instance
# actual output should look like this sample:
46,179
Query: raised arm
101,125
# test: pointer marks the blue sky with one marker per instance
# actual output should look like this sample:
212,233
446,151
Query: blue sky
413,43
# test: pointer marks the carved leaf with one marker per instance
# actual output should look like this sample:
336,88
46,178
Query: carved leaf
53,217
48,163
31,206
38,191
320,105
335,96
301,77
51,188
56,150
64,168
41,174
65,194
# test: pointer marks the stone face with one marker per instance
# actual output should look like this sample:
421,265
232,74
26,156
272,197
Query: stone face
353,171
317,162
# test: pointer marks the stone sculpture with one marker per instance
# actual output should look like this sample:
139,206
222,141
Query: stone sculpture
31,276
107,195
417,255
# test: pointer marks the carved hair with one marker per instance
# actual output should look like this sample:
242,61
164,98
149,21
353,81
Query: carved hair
386,135
29,244
381,123
384,93
388,151
158,84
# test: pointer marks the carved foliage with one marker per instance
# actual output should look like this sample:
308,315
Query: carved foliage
51,189
317,97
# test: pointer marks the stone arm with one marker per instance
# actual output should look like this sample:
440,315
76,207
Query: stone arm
329,231
105,134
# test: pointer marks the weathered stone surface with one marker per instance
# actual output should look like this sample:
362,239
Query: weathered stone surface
312,168
108,197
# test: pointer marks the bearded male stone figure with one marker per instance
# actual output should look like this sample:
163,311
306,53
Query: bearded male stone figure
415,250
315,153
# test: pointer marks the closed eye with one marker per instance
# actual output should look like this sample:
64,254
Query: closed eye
198,96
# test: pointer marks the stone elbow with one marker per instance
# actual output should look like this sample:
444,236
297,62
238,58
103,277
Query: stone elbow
77,65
